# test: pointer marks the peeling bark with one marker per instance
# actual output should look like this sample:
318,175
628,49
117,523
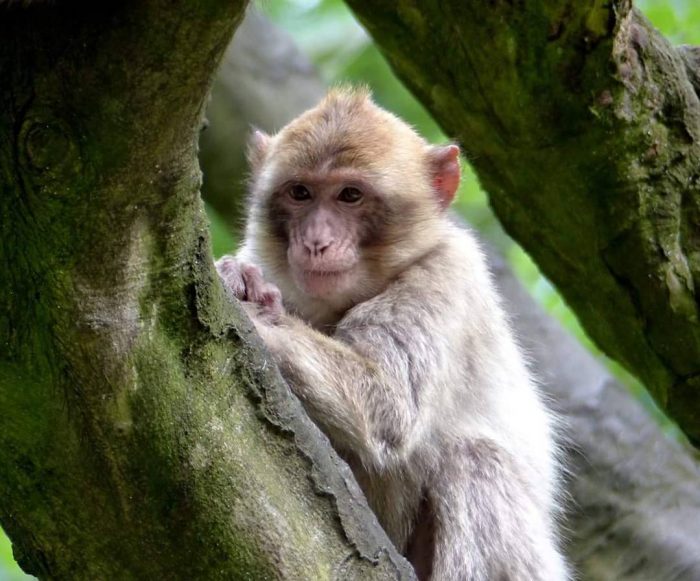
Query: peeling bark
144,431
583,124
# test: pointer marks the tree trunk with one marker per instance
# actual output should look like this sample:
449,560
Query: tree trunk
583,124
144,432
633,494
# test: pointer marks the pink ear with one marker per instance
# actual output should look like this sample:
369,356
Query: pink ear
258,143
444,162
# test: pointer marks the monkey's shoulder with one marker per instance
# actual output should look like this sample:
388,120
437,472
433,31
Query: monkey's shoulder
454,270
444,284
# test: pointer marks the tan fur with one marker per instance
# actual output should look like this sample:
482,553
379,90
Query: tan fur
412,369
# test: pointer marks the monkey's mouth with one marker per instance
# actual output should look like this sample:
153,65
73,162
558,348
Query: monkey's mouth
323,273
323,283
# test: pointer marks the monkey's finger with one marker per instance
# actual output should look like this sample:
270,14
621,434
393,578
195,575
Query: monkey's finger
229,270
271,307
254,283
272,302
271,294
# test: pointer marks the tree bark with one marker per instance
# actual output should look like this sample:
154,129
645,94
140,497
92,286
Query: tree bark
583,124
633,492
144,432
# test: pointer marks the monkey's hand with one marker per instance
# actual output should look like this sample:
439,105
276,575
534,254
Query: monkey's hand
230,272
262,300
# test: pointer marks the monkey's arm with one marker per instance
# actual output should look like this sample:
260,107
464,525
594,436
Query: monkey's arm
363,402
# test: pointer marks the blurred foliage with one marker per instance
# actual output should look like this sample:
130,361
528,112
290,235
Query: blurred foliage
222,239
9,570
679,20
328,33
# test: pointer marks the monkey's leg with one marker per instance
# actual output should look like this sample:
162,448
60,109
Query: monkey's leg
489,521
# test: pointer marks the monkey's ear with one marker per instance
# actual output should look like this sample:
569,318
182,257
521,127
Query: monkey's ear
258,144
445,171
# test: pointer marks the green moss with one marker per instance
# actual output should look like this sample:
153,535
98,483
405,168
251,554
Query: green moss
599,18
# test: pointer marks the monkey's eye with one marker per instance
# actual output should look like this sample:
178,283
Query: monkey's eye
299,193
350,195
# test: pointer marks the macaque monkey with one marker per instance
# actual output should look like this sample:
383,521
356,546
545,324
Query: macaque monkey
382,316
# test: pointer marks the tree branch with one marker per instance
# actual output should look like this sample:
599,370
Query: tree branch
584,127
255,87
144,432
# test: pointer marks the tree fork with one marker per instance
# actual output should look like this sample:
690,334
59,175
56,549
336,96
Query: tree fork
144,433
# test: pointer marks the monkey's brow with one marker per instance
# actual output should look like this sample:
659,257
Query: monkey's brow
361,179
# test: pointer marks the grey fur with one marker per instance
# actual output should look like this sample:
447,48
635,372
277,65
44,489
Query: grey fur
405,359
425,391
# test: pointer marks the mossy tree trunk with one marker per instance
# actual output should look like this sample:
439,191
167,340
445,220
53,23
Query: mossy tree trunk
143,432
583,124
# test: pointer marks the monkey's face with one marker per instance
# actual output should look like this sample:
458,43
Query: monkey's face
326,220
345,197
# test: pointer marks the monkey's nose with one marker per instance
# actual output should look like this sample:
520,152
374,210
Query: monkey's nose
317,247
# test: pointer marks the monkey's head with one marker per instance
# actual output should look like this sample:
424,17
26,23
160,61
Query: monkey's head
345,197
